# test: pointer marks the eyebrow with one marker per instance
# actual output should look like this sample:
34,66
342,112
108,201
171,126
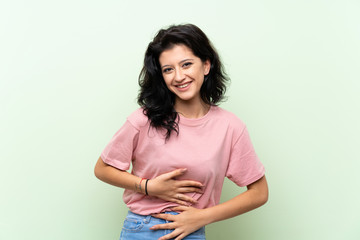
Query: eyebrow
188,59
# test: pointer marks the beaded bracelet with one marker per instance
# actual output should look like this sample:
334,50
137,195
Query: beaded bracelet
140,184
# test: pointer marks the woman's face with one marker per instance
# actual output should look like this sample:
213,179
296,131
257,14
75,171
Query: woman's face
183,72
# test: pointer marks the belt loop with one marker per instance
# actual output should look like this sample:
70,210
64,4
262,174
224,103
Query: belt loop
147,219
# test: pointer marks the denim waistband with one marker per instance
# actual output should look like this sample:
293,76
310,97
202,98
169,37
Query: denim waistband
147,218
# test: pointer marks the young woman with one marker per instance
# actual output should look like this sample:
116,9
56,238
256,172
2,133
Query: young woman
181,145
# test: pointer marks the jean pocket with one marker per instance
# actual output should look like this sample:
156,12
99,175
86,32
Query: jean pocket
133,224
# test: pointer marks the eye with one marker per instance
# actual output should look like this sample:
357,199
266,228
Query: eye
166,70
187,64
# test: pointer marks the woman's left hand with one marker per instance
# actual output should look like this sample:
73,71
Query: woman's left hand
189,220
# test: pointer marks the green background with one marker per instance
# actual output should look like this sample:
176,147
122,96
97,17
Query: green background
69,71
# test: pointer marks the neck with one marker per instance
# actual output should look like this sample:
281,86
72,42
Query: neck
191,109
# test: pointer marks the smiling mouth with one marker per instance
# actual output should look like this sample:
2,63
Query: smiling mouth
183,85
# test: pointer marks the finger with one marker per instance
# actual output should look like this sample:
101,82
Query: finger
175,173
171,235
190,190
182,203
183,199
189,183
181,236
162,226
180,208
164,216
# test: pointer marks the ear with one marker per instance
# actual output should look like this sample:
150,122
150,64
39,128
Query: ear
207,66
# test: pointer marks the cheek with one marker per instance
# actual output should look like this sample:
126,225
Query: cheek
199,73
166,78
200,76
167,81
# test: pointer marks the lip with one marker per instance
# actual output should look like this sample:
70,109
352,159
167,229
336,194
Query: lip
184,88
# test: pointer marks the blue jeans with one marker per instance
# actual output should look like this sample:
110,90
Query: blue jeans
136,227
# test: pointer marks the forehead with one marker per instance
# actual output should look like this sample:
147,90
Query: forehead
176,54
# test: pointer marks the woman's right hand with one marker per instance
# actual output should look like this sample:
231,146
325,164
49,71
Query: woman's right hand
166,187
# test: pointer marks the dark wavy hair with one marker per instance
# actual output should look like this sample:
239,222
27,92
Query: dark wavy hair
154,97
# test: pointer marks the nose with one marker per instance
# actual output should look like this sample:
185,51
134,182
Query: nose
179,75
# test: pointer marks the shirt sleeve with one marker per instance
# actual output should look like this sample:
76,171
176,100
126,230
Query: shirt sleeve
119,151
244,166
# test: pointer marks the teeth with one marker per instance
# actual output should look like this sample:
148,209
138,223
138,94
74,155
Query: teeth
183,86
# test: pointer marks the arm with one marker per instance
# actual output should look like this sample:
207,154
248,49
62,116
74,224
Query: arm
164,186
254,197
116,177
191,219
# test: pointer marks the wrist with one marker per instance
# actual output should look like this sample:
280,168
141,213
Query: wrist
207,216
140,186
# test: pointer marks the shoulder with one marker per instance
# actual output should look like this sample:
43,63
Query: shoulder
235,126
228,117
137,118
